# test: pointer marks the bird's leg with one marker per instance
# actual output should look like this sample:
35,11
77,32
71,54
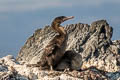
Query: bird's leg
50,63
66,69
51,68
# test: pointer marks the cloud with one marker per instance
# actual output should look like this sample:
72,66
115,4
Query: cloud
29,5
92,2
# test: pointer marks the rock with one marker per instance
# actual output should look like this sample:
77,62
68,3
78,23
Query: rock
90,55
92,42
3,68
7,70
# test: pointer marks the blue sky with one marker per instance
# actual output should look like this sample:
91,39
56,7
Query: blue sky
20,18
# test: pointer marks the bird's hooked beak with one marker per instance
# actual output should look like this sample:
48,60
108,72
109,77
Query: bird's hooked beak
67,18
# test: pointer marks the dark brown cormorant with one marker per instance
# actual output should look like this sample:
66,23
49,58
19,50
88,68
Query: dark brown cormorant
55,50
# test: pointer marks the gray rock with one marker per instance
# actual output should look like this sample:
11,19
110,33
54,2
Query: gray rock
89,45
91,41
3,68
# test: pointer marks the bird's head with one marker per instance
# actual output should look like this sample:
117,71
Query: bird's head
61,19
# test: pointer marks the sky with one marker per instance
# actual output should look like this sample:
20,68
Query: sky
20,18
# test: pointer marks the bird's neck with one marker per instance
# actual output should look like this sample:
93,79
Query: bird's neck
57,27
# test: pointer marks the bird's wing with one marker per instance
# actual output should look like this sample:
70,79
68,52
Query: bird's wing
50,49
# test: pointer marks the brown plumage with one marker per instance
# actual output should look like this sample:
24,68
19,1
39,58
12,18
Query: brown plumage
55,50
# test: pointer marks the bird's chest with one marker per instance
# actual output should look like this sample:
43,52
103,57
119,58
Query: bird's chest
60,41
